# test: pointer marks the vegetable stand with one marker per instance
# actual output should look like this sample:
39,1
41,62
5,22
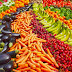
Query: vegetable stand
35,37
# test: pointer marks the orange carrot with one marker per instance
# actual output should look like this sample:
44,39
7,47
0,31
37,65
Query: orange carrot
22,44
52,68
20,59
38,48
31,65
43,65
32,70
39,55
38,69
25,69
36,64
22,66
49,53
46,70
46,60
26,57
55,62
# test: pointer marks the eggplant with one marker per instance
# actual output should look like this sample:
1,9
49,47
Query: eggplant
13,53
0,20
18,9
1,66
6,32
6,17
8,29
6,43
1,27
15,35
2,70
1,35
3,22
12,39
0,40
4,58
16,13
8,25
5,38
13,17
11,20
9,66
5,49
11,14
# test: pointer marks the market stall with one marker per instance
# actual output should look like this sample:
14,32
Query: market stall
35,36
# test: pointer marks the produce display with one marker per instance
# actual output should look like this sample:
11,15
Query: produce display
5,6
58,3
35,37
62,11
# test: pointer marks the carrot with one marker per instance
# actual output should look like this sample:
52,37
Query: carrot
52,68
38,48
49,53
15,65
43,65
17,56
22,66
19,46
36,64
19,64
46,60
55,62
15,70
49,57
31,55
20,59
38,69
26,57
25,69
32,70
22,44
31,65
39,55
46,70
36,59
26,51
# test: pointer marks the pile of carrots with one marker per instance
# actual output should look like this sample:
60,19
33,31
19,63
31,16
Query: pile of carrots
18,4
55,16
31,57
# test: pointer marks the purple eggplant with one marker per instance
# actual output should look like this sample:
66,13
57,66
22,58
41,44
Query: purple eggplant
6,32
15,35
5,38
13,53
16,13
12,39
13,17
6,17
0,20
3,22
4,58
0,40
1,27
1,35
9,66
